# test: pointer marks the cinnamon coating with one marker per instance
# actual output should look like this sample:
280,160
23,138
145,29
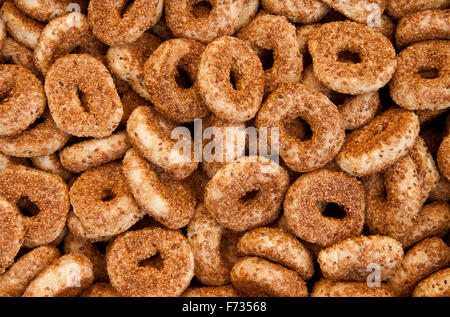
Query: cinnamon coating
398,9
211,291
46,10
328,288
303,11
51,164
100,290
363,11
15,53
436,285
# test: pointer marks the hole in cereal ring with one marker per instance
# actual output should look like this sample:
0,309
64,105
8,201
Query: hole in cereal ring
156,261
202,9
233,79
429,73
267,59
183,79
108,195
249,196
27,207
348,56
127,6
83,100
333,210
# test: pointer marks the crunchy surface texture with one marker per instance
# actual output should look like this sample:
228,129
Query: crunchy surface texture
328,288
436,285
298,11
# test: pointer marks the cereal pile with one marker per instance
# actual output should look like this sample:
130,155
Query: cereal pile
333,178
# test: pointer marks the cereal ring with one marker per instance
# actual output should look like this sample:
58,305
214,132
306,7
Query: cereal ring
2,32
86,233
256,277
95,152
398,9
15,53
8,161
422,76
305,219
441,191
67,276
19,275
48,196
249,10
387,27
381,142
23,99
276,34
125,254
63,34
100,290
46,10
279,247
76,73
13,233
374,62
20,27
130,101
151,136
351,259
226,59
221,20
436,285
443,157
298,11
211,291
197,181
328,288
207,238
118,22
363,11
51,164
127,61
423,25
102,200
296,100
422,260
247,193
175,100
356,111
303,33
169,201
74,244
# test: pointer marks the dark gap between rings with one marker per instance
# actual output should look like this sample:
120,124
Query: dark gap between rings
267,59
27,207
347,56
183,79
36,122
126,8
202,9
155,261
332,210
429,73
248,196
107,195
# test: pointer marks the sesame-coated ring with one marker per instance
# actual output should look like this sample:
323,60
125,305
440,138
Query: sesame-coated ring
298,11
14,53
398,9
211,291
363,11
45,191
46,10
225,59
128,250
436,285
328,288
83,73
176,102
377,57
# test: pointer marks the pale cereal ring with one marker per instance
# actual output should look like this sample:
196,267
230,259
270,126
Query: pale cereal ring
211,291
378,144
398,9
351,259
436,285
328,288
227,59
74,244
443,157
118,22
46,10
247,193
151,136
19,275
356,111
363,11
100,290
127,61
95,152
67,276
249,10
387,27
422,260
206,238
86,233
41,138
221,20
102,200
20,27
373,68
422,77
256,277
63,34
276,34
291,101
305,219
130,279
168,201
48,196
298,11
51,164
76,73
423,25
279,247
23,99
177,101
15,53
13,233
